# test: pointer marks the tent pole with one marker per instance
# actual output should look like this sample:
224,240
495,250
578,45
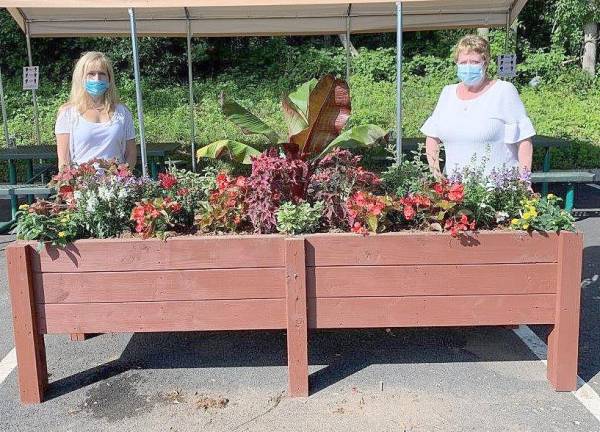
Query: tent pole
36,119
138,90
348,44
507,32
399,82
4,120
191,90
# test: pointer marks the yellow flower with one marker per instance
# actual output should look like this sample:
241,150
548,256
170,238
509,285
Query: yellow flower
63,220
23,207
515,221
62,234
551,196
526,226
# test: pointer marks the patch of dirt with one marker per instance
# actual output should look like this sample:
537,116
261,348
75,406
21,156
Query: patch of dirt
208,402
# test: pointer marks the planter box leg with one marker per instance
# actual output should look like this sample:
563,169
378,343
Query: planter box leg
563,342
29,343
297,331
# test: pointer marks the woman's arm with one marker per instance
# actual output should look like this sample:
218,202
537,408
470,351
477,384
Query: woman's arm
64,153
131,153
525,154
432,150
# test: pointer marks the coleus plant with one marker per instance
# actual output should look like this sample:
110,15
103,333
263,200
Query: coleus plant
316,114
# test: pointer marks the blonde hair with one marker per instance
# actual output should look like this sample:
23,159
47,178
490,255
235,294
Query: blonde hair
476,44
79,97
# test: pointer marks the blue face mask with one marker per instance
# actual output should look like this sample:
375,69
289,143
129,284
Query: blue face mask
470,74
96,88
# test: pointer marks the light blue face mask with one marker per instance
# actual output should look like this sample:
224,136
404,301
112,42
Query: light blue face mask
470,74
96,87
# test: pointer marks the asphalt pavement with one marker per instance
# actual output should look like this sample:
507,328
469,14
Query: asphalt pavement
443,379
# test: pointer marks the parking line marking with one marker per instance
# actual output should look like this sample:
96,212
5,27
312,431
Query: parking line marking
584,393
7,364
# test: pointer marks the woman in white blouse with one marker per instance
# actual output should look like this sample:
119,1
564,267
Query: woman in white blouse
93,124
479,119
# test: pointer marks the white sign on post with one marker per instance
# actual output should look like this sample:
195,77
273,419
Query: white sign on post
31,77
507,65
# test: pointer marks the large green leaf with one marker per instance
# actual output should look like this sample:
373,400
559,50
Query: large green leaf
237,151
300,97
293,117
248,122
358,136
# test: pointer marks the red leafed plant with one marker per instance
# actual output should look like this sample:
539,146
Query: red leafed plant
366,212
155,217
167,180
226,209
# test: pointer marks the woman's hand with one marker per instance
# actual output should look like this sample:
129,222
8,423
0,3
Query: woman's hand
432,150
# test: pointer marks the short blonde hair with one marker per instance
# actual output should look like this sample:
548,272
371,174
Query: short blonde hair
79,97
476,44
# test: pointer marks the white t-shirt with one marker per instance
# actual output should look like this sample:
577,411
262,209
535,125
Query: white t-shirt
90,140
488,127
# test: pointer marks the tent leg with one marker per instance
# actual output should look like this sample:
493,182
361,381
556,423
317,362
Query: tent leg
36,118
399,82
138,90
191,90
348,44
4,118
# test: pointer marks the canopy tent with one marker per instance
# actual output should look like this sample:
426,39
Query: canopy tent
210,18
220,18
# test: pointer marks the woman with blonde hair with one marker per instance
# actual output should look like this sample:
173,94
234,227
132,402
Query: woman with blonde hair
93,124
478,119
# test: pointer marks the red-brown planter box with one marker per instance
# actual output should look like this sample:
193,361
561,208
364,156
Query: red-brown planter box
314,281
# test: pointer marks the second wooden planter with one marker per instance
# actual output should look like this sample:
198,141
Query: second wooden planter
295,283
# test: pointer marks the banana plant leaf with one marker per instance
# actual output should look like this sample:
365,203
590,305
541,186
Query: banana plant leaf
294,119
300,97
237,151
248,122
328,112
358,136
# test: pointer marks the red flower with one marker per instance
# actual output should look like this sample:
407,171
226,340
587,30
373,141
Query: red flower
183,192
422,200
66,192
167,181
409,212
438,188
456,192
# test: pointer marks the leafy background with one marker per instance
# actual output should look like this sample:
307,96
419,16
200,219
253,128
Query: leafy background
257,71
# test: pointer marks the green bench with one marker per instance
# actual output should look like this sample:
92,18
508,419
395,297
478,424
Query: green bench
568,177
13,191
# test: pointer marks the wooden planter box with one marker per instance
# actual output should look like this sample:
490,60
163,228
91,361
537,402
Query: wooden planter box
316,281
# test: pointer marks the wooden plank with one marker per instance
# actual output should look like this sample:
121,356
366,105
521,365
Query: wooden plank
297,330
430,311
430,248
163,316
179,253
122,287
369,281
563,341
29,342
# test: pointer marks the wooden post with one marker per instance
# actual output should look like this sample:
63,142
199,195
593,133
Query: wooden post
29,343
563,342
297,331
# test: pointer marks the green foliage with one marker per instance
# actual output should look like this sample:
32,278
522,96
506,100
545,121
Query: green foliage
409,177
45,222
543,214
299,218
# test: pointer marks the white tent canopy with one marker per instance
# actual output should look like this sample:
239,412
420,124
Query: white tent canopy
213,18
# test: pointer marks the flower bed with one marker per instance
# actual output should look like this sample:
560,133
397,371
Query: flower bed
275,282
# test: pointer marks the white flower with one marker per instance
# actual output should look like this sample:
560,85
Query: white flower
122,194
105,193
91,204
501,216
77,195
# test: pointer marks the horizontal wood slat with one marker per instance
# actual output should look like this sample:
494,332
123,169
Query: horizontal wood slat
430,248
184,253
120,287
431,311
451,280
256,314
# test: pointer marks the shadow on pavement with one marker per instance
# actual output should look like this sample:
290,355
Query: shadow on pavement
343,353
